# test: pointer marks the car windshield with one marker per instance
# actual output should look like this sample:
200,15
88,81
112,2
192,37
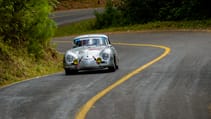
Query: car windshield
90,41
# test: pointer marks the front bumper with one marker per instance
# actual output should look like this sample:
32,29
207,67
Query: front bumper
89,63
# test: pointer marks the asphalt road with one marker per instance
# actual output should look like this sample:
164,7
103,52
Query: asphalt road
70,16
176,87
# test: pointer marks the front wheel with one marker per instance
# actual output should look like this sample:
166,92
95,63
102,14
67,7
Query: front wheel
114,67
69,72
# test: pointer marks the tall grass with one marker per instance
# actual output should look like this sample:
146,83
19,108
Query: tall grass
87,26
17,65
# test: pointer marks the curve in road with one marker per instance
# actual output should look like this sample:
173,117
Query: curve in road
176,87
84,110
70,16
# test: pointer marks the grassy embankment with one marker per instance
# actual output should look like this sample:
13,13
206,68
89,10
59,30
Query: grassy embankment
86,26
16,65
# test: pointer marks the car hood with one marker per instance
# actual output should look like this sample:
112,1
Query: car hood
88,51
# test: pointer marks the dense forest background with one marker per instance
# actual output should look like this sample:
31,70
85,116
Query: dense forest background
124,12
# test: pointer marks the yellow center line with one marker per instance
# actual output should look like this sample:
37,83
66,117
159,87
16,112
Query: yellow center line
86,107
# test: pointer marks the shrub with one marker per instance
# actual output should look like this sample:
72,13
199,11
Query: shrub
110,17
26,23
142,11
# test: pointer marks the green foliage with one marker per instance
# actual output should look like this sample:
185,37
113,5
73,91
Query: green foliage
179,10
4,52
86,27
138,10
25,23
143,11
17,65
75,28
25,32
111,17
53,3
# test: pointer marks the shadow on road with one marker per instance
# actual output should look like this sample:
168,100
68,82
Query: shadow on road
90,72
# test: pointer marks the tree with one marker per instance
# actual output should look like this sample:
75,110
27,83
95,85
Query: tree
111,17
142,11
26,23
147,10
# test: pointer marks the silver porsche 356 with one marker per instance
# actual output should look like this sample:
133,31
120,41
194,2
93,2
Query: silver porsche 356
92,51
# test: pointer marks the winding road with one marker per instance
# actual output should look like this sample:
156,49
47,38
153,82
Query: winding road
69,16
175,86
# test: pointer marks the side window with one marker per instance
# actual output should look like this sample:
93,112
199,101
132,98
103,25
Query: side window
104,41
76,43
85,42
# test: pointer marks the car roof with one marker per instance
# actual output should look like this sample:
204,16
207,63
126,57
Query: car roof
91,35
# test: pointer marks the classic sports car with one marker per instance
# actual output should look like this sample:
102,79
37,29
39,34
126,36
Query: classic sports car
92,51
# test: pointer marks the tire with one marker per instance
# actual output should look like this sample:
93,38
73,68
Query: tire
115,62
69,72
114,67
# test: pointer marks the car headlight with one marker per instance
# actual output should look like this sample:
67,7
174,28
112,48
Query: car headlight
69,58
105,56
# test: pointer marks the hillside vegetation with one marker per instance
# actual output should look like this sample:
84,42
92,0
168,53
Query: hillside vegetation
127,12
25,37
145,15
79,4
25,48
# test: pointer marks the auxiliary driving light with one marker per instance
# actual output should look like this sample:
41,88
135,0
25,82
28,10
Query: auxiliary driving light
75,62
99,60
